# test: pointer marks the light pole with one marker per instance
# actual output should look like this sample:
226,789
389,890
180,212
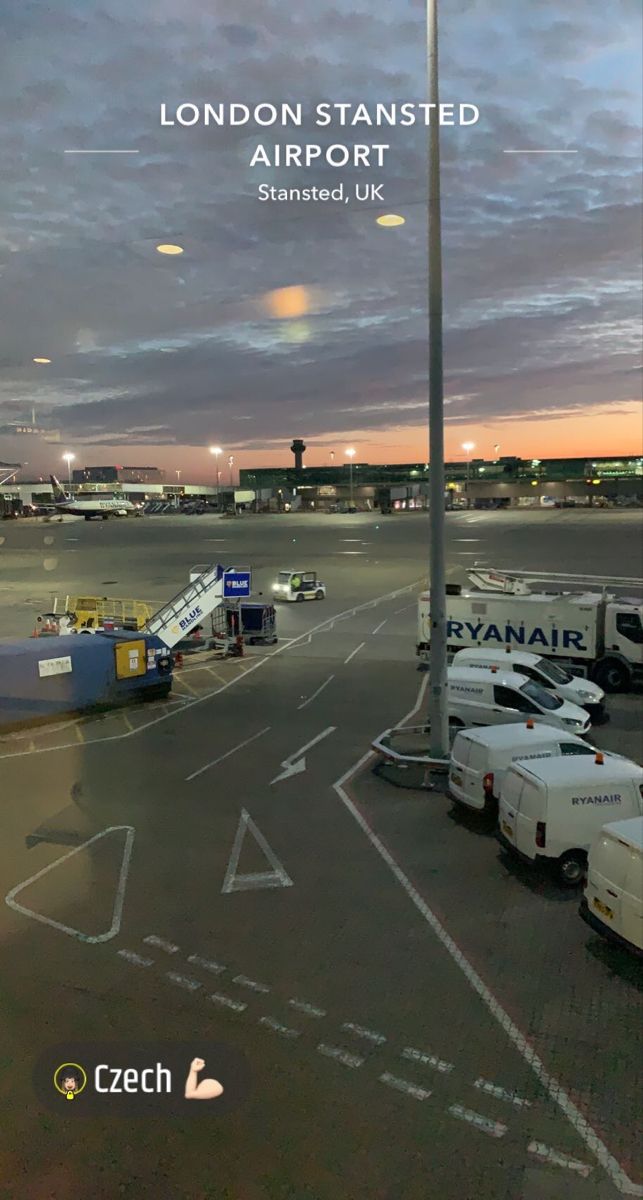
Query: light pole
69,458
438,693
495,450
216,450
468,447
231,464
351,455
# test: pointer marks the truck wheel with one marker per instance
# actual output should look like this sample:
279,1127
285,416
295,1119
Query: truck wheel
571,868
300,597
319,595
613,676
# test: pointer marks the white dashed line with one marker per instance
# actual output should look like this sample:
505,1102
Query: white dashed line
206,963
342,1056
380,626
560,1160
492,1089
316,694
284,1030
137,959
153,940
354,652
243,981
494,1128
183,981
427,1060
308,1009
360,1031
227,1002
402,1085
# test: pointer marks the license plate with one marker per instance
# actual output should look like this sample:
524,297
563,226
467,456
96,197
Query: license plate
603,909
457,779
507,830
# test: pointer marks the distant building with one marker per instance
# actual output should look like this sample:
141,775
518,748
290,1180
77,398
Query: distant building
117,474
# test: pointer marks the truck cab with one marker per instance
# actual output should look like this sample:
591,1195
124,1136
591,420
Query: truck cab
298,586
623,655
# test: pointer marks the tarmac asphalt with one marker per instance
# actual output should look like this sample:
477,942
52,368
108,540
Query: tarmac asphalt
419,1017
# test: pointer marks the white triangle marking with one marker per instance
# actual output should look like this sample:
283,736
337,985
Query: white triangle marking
119,897
258,879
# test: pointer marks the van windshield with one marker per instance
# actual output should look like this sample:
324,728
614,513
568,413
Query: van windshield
540,695
553,672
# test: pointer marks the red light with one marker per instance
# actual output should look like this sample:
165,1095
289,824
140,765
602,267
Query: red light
487,783
541,831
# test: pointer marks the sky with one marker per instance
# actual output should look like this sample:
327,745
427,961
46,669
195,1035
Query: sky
310,320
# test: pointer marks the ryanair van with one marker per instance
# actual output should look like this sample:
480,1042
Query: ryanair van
549,675
553,809
480,757
613,900
493,697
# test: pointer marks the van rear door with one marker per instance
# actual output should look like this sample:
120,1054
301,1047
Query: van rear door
510,793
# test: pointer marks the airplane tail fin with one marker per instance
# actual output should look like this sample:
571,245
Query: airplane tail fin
59,494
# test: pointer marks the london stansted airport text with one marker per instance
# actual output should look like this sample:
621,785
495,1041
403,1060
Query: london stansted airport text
325,113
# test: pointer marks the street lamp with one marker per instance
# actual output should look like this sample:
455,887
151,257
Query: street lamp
468,447
350,453
69,458
216,450
231,464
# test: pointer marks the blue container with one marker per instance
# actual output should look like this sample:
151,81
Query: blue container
42,679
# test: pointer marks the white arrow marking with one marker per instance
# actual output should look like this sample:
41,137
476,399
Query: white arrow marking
296,763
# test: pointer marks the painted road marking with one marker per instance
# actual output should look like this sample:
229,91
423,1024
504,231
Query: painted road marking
284,1030
402,1085
308,1009
354,652
296,763
184,981
266,658
227,754
342,1056
493,1128
243,981
227,1002
380,626
119,897
161,944
427,1060
368,1034
137,959
264,879
546,1154
492,1089
551,1085
206,963
316,694
405,608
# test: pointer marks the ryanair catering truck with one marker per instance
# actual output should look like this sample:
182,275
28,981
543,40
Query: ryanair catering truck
596,635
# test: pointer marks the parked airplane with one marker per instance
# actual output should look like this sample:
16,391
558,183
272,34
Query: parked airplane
91,507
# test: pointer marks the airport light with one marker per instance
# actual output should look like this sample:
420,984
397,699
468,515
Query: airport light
350,453
169,248
231,464
41,360
390,220
216,451
69,458
468,447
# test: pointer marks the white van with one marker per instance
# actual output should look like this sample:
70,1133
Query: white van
500,697
480,757
548,674
553,809
613,900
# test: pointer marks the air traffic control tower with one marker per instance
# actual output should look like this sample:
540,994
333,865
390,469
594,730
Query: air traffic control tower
298,449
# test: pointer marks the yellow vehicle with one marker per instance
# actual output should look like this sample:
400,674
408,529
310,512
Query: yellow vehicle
91,612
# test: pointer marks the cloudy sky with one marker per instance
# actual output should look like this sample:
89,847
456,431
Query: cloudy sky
153,358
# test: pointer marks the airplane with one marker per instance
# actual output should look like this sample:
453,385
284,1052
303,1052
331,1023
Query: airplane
98,506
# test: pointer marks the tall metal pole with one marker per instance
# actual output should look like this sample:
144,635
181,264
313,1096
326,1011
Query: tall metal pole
438,694
351,468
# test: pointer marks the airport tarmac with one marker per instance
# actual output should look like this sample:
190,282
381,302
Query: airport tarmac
419,1019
